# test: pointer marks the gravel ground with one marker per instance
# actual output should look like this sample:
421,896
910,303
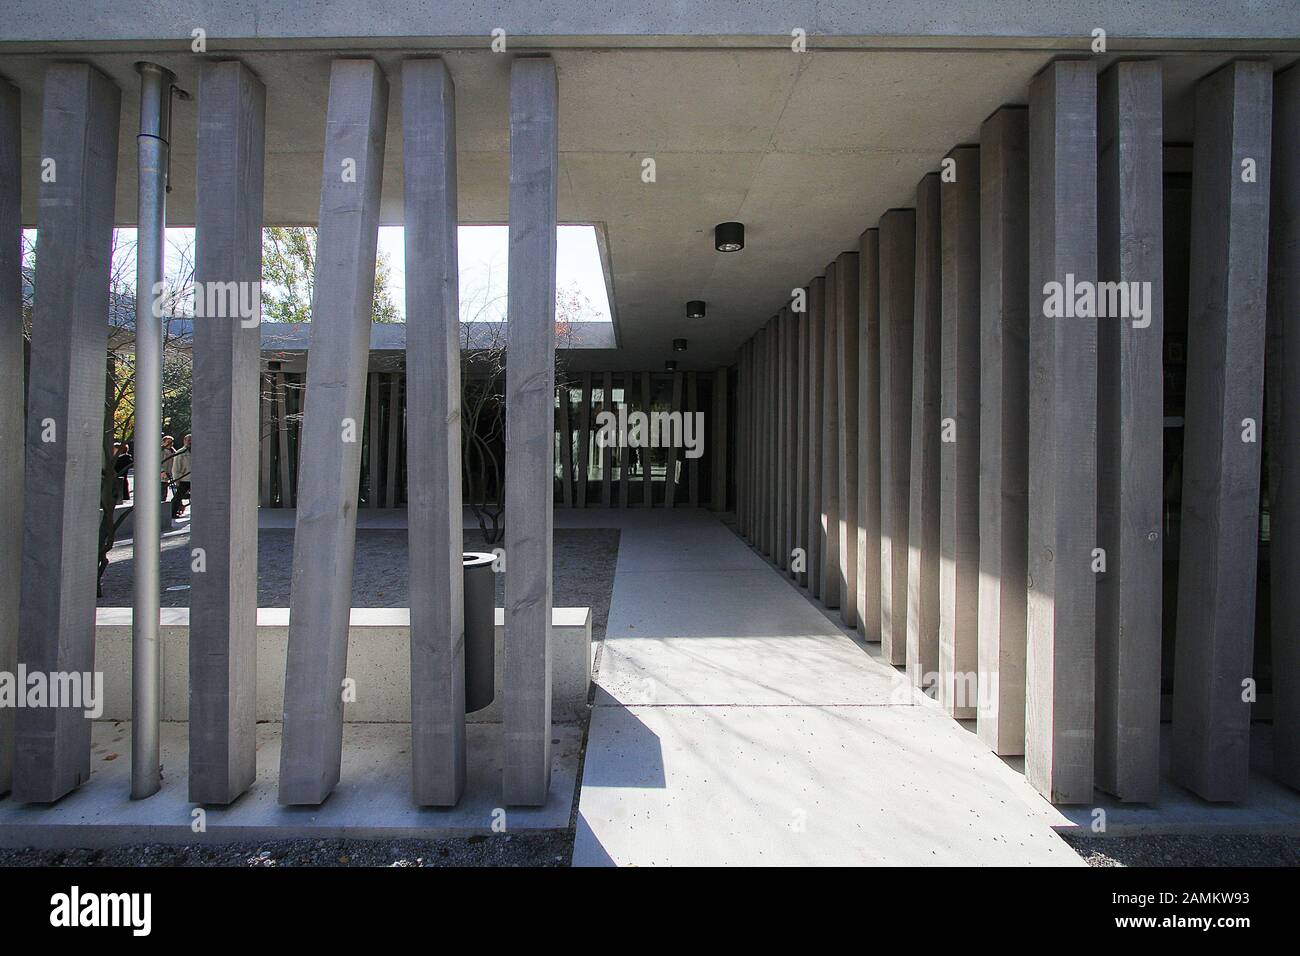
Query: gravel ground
584,562
549,848
1171,850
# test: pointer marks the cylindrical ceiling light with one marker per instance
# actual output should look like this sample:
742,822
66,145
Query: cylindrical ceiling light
695,309
729,236
679,345
670,366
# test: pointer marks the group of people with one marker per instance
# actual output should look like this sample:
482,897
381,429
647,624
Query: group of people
175,470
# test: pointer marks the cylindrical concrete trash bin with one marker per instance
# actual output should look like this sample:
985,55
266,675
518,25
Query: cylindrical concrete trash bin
480,630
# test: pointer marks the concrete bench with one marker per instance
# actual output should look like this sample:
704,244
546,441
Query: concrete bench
378,661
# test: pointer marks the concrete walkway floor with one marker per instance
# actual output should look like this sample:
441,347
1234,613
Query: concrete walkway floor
736,723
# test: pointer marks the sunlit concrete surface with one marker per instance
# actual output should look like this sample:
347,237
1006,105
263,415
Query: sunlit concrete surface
735,723
371,801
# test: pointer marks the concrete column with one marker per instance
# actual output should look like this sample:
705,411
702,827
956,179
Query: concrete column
670,472
394,437
959,445
897,282
12,399
566,446
790,420
628,378
584,440
847,267
800,403
647,487
226,405
780,553
923,494
1004,427
761,435
65,421
1283,364
530,383
607,454
1130,432
283,426
1214,644
372,441
718,442
831,593
692,464
433,440
266,434
325,535
1059,715
771,436
867,599
816,433
742,439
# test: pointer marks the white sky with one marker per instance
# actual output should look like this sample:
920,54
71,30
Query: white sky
483,255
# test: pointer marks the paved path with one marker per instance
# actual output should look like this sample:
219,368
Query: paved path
735,723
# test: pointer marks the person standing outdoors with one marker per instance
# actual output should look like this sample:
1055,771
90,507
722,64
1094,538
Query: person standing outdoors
168,451
181,475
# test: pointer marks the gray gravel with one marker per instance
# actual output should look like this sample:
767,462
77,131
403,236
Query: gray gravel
1181,850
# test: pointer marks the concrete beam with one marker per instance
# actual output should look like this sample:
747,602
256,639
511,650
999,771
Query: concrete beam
1283,366
13,398
923,490
433,437
325,532
1214,641
65,422
1059,662
226,405
831,594
812,543
897,282
959,450
846,387
1004,427
868,440
530,385
1130,432
718,441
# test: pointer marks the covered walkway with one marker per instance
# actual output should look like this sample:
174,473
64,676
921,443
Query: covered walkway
735,723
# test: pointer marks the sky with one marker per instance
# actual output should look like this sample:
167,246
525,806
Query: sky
483,254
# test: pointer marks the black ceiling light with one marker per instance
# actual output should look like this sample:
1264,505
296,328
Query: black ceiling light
695,309
679,345
729,236
670,366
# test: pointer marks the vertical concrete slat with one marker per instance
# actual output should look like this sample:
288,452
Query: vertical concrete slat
330,446
847,267
760,442
1060,647
1004,428
959,451
65,404
1214,640
265,425
226,404
692,462
372,441
624,451
800,403
897,282
647,485
394,438
670,473
779,553
1283,428
831,595
923,494
12,400
868,440
530,385
433,434
607,454
718,441
283,426
584,440
563,401
816,432
771,435
1130,433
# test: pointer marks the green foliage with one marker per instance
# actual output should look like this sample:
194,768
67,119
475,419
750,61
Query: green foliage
289,271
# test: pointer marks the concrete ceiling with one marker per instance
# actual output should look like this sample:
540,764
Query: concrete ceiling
806,149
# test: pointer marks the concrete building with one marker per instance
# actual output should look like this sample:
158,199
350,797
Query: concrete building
978,307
